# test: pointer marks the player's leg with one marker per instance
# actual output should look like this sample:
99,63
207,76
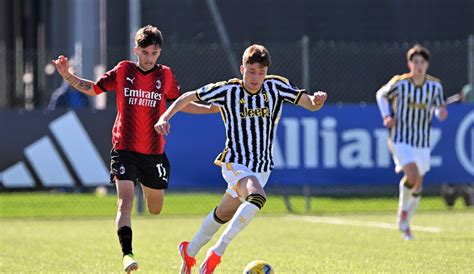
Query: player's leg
422,159
123,174
211,224
404,159
154,172
213,221
125,194
405,188
154,199
410,199
252,191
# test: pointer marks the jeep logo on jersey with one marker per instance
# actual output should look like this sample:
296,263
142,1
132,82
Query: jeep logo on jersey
158,84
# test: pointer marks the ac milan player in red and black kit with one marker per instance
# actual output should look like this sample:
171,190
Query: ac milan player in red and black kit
142,90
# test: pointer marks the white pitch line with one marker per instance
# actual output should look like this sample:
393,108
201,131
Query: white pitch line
340,221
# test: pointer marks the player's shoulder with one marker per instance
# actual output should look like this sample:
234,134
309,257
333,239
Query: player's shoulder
125,63
277,78
227,83
399,78
433,79
163,68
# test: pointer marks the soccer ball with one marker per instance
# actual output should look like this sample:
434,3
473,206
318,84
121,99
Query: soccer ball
258,267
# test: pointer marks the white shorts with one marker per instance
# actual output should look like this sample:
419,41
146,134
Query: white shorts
404,154
232,173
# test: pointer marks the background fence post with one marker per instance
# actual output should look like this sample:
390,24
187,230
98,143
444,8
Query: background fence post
305,61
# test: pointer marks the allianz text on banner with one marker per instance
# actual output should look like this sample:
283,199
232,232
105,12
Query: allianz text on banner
335,146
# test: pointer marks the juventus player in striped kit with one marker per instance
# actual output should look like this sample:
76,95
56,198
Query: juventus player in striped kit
415,96
250,108
142,90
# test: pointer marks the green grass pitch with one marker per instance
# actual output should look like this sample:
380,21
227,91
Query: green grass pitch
76,234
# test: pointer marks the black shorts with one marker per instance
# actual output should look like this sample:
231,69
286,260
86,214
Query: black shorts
152,171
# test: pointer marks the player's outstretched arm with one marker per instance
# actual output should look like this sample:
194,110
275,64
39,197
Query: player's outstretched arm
163,126
196,108
83,85
313,102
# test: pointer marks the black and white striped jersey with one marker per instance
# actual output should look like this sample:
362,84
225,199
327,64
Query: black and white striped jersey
250,119
413,107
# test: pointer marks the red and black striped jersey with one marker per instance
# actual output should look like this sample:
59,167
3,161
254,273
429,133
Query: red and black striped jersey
141,99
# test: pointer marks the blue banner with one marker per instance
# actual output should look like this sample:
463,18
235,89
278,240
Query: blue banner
335,146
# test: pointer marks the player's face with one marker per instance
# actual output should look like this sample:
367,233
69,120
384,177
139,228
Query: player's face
253,75
418,65
147,56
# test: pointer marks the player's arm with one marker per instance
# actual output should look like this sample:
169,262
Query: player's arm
196,108
163,126
382,101
313,102
83,85
441,113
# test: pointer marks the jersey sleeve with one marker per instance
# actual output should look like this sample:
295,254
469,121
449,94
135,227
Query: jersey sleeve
172,89
389,90
213,93
439,97
288,92
107,81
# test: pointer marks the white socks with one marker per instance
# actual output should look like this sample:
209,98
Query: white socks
413,204
208,228
404,196
242,217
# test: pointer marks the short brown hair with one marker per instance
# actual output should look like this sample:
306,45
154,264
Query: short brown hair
148,35
257,54
418,50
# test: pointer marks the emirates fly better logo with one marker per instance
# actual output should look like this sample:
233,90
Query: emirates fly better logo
142,97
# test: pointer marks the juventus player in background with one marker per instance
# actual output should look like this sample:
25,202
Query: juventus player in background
415,96
142,89
250,108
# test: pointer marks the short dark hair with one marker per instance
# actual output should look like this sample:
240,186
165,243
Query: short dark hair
418,50
257,54
148,35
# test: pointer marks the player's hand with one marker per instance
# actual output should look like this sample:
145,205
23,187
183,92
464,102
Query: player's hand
61,65
162,127
319,98
389,121
443,114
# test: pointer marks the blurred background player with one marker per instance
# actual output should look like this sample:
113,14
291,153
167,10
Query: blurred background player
142,89
415,96
250,109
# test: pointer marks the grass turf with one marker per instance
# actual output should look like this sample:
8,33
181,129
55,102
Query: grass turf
72,233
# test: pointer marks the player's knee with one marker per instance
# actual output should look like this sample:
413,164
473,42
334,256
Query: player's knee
411,180
407,183
256,199
220,217
154,210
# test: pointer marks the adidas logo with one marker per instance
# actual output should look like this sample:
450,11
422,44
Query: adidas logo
45,161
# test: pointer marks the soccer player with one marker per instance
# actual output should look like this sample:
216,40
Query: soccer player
251,109
142,89
415,96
